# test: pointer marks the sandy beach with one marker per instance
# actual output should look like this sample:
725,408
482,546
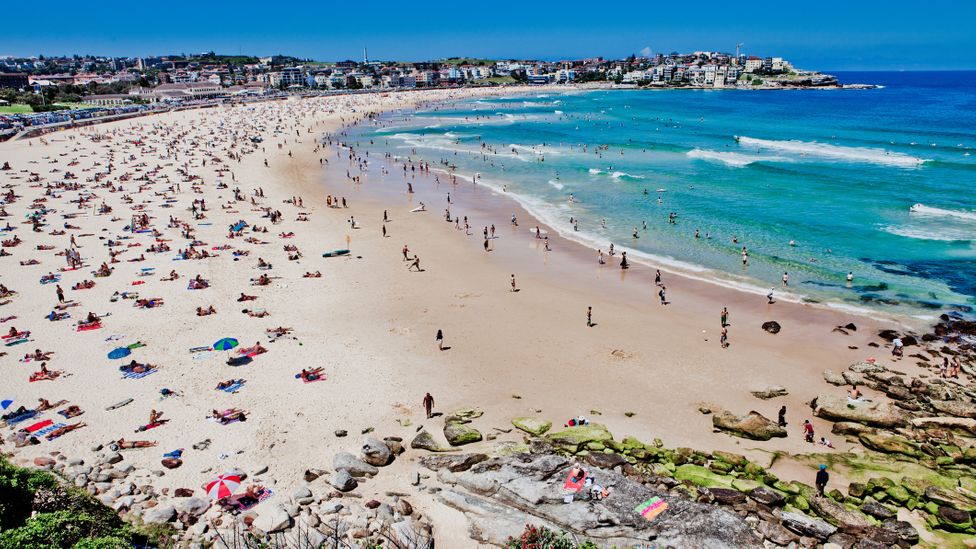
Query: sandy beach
369,322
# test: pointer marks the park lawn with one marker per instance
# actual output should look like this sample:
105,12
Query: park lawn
496,80
15,108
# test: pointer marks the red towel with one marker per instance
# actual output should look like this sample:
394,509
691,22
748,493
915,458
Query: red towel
39,425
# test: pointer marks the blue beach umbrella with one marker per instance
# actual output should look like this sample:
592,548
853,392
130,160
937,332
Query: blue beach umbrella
119,352
225,344
6,403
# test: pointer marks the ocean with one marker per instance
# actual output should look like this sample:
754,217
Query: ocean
815,183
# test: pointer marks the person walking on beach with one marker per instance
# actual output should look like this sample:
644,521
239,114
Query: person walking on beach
769,297
429,405
440,340
663,295
786,279
415,264
657,277
60,292
486,245
725,316
514,288
589,317
782,416
807,430
724,339
822,478
405,252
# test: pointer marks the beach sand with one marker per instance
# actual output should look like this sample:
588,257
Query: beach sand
368,321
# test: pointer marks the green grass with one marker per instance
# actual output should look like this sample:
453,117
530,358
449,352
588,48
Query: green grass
15,108
467,60
496,80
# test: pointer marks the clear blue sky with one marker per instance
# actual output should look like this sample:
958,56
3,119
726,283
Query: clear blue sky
824,34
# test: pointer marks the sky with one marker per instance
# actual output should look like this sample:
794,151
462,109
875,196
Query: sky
819,35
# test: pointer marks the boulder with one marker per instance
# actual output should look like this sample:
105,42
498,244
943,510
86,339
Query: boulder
701,476
904,531
425,441
849,428
159,514
272,518
953,519
807,526
876,510
343,481
355,466
776,533
876,414
957,424
459,434
846,520
768,496
194,506
453,462
768,392
44,462
464,415
726,496
867,368
604,460
771,326
957,408
376,452
531,425
833,378
753,425
851,378
955,500
574,439
890,444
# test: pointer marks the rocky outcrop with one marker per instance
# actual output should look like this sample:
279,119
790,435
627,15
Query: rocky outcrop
585,437
531,425
875,414
500,495
454,463
456,430
753,425
425,441
768,392
771,326
890,444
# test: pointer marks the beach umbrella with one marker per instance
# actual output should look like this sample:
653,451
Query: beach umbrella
225,344
119,352
223,486
6,403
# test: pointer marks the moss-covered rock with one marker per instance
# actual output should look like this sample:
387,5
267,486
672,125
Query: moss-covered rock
890,444
459,434
946,498
574,439
953,519
898,494
745,485
753,425
532,425
700,476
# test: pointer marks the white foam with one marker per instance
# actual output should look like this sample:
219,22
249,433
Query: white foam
734,159
944,234
835,152
621,175
922,209
556,184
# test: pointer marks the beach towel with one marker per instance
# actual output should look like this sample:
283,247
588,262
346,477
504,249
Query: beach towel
48,430
51,280
12,342
64,414
239,361
34,428
241,502
149,426
651,508
233,388
139,282
89,327
175,454
137,375
574,485
22,417
18,335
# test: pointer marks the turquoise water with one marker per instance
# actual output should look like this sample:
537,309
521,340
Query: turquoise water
835,171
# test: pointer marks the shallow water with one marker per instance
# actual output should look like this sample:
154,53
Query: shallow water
835,171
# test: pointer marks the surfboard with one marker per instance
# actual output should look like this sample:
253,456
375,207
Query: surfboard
335,253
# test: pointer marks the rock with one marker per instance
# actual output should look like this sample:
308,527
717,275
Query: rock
776,533
464,415
726,496
603,460
772,391
43,461
395,444
194,506
425,441
807,526
459,434
851,378
339,433
330,508
904,531
849,428
260,470
771,326
953,519
701,476
455,463
574,439
355,466
851,522
343,481
113,458
312,474
272,518
159,514
867,368
941,496
890,444
531,425
171,463
376,452
957,408
876,510
302,492
404,508
768,496
957,424
834,379
753,425
876,414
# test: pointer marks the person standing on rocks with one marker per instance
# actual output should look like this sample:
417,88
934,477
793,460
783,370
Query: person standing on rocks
429,405
822,477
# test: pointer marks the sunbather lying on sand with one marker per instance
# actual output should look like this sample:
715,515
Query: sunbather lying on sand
72,411
316,274
245,297
63,430
262,280
23,438
38,355
206,312
311,375
123,444
136,367
44,404
45,374
255,314
279,331
149,303
228,416
173,275
229,383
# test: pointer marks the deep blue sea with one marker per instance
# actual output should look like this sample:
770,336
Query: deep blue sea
877,182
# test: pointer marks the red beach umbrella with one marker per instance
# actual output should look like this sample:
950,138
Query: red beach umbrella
223,486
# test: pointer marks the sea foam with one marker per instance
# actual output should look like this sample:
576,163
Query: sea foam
734,159
835,152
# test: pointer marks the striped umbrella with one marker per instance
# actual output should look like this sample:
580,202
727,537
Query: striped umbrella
223,486
225,344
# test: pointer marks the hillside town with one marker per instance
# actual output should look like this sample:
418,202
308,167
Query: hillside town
60,90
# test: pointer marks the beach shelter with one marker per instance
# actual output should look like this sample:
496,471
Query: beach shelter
225,344
119,352
223,486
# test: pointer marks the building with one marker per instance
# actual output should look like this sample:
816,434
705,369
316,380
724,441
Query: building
753,64
293,76
108,100
14,80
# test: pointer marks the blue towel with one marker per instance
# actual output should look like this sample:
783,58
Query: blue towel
137,375
175,454
234,387
22,417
